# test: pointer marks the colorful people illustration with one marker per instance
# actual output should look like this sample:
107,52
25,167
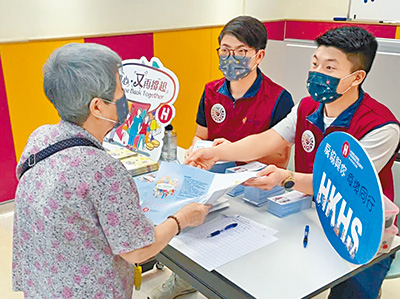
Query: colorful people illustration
134,127
151,142
142,133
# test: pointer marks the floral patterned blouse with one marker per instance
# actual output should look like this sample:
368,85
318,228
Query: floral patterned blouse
75,212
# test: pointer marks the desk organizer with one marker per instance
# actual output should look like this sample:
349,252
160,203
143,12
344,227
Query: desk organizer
289,203
391,210
387,239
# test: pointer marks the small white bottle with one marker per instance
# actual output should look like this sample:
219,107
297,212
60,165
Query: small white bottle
169,149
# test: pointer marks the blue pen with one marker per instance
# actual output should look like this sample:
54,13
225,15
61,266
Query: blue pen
305,240
217,232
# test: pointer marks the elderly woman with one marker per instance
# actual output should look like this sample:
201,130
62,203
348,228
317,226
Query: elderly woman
78,224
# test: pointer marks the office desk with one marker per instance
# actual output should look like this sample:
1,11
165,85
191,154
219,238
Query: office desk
283,269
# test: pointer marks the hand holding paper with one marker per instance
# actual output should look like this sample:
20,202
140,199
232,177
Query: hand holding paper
192,214
268,178
176,185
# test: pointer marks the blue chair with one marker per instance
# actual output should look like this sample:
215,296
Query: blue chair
394,271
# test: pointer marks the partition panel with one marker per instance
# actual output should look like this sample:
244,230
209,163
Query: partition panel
187,53
28,105
8,181
127,46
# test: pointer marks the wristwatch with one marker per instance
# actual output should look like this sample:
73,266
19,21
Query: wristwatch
289,182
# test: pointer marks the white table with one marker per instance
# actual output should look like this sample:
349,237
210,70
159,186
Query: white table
283,269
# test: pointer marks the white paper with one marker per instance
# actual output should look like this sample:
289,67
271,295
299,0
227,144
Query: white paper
202,144
205,144
220,203
211,253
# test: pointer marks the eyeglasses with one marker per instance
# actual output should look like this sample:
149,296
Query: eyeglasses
121,71
238,54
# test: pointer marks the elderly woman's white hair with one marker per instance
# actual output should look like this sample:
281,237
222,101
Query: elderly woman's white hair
75,74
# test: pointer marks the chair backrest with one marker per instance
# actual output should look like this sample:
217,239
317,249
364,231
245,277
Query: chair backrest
396,182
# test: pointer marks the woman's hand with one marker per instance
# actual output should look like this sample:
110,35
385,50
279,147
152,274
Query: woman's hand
192,214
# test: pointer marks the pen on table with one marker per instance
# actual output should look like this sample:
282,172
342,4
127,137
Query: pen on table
217,232
305,240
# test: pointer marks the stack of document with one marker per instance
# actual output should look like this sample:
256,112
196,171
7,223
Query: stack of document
121,153
134,162
252,166
260,197
288,203
139,164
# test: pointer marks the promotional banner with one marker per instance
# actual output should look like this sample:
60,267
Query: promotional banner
151,90
348,197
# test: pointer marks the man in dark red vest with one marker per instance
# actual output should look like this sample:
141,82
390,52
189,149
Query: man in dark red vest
245,101
337,103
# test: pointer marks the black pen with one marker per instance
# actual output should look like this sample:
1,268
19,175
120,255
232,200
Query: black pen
305,240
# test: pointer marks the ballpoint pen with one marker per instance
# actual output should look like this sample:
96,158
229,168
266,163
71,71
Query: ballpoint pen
305,240
217,232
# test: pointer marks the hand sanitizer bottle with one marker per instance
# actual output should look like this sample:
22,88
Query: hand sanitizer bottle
169,149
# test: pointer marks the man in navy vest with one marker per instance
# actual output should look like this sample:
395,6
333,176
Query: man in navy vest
245,101
336,103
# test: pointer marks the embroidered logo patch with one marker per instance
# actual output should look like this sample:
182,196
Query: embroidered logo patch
218,113
308,141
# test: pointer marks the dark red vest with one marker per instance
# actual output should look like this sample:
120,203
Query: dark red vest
359,119
234,121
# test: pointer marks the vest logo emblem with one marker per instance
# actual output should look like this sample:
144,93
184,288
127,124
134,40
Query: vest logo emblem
308,141
218,113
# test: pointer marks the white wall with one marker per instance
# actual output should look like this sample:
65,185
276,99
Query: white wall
288,62
316,9
296,9
265,9
41,19
22,20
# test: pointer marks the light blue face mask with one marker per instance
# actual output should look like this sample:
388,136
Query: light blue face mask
234,69
323,88
122,111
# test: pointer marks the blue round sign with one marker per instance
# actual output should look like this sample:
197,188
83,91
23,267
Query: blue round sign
348,197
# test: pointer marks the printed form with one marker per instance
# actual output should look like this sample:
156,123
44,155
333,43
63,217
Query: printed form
220,240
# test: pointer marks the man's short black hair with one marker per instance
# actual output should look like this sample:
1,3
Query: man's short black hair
358,44
248,30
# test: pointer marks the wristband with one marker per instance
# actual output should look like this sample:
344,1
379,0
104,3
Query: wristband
177,222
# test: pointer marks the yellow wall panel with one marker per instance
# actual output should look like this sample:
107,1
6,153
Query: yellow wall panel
397,32
188,54
215,72
29,108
